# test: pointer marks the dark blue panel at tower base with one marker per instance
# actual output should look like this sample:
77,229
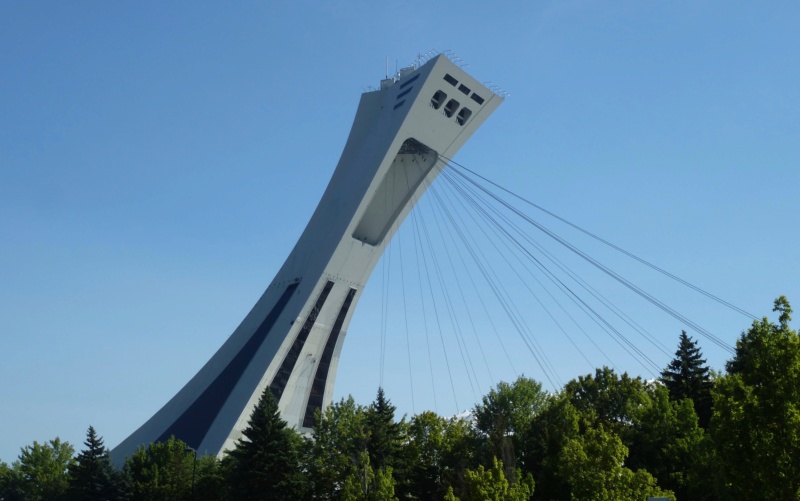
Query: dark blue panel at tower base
278,384
193,425
321,376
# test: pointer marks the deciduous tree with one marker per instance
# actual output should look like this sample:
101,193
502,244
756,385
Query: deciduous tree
162,471
366,484
493,485
211,483
438,452
504,416
756,421
666,440
605,399
41,470
592,465
550,430
340,437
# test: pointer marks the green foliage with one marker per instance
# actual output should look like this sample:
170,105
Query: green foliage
385,437
10,484
344,433
41,471
756,421
385,441
556,423
92,477
505,416
666,440
493,485
687,376
617,411
592,467
426,452
211,482
438,452
603,437
340,437
5,474
162,471
364,484
605,399
266,462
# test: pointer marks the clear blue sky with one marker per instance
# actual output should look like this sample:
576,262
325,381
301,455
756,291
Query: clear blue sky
158,162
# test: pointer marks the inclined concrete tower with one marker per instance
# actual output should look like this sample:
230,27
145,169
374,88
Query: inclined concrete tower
291,339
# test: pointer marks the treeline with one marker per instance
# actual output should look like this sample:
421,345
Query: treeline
691,435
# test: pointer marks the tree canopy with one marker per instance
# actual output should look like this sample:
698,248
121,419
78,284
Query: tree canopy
41,471
604,436
756,421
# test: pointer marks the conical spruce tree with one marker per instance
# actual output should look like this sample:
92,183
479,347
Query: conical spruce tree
92,477
385,439
687,376
266,462
385,435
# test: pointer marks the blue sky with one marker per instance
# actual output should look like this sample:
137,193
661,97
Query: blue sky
158,162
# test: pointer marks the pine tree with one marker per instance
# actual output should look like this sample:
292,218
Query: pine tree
687,376
385,436
266,462
385,439
92,477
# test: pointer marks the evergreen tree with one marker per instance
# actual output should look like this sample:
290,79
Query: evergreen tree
687,376
266,463
92,477
385,440
385,436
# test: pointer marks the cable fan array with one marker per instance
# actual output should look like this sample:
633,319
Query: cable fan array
481,284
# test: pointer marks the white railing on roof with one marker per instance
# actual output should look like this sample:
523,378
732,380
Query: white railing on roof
424,57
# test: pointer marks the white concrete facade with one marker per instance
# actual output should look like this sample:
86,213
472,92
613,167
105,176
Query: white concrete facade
291,339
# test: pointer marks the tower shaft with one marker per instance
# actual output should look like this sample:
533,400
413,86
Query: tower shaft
292,338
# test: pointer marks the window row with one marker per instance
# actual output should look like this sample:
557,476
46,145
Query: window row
451,107
463,88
